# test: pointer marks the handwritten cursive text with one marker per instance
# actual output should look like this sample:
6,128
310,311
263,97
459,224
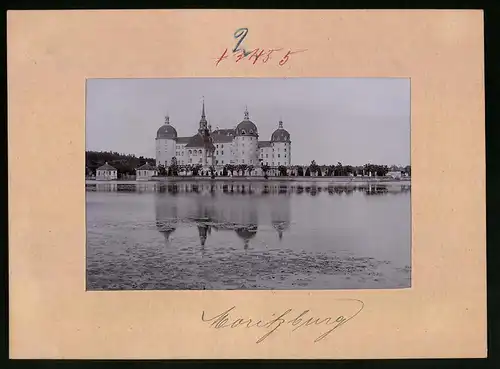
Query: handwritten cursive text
294,320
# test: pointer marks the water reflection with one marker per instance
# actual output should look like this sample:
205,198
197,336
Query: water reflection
257,188
225,214
259,235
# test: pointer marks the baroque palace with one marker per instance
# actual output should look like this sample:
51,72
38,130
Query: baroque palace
239,145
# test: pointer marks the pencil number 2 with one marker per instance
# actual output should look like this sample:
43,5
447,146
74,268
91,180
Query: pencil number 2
240,34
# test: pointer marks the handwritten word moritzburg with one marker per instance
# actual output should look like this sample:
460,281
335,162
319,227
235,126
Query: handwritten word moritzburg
288,318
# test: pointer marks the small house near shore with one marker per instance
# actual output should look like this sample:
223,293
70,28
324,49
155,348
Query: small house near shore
106,173
145,172
396,174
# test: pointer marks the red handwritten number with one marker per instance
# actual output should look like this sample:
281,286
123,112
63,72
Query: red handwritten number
256,56
268,56
286,57
224,56
240,56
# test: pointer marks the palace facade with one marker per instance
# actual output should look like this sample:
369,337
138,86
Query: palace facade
239,145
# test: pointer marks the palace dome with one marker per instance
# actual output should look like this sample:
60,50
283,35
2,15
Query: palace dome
246,127
166,131
281,134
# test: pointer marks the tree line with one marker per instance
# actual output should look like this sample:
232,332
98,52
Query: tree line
312,169
125,164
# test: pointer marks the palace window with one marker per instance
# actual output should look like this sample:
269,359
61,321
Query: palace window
251,161
285,149
217,152
278,155
194,152
243,161
243,132
279,163
199,160
190,152
222,146
222,161
216,162
199,151
222,152
217,145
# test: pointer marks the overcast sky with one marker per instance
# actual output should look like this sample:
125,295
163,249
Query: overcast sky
351,120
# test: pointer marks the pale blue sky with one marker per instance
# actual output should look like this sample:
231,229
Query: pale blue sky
351,120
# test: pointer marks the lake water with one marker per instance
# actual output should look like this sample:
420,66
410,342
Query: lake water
259,235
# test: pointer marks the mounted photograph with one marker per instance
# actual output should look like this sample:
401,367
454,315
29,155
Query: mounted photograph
248,184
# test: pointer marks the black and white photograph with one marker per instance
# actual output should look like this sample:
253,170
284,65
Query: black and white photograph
248,184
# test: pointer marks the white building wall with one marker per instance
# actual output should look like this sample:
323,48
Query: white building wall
106,175
165,151
144,175
223,153
266,155
181,153
194,155
280,154
247,150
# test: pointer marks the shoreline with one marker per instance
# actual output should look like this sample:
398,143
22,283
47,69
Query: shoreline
327,180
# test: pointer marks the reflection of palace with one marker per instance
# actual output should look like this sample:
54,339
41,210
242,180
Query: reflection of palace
222,214
257,188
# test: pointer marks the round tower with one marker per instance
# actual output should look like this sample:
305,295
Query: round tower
281,146
166,138
246,142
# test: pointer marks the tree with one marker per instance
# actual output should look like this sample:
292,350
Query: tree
196,169
300,171
282,170
408,170
339,169
242,168
173,168
250,168
230,168
161,170
313,168
382,170
265,168
212,172
308,172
